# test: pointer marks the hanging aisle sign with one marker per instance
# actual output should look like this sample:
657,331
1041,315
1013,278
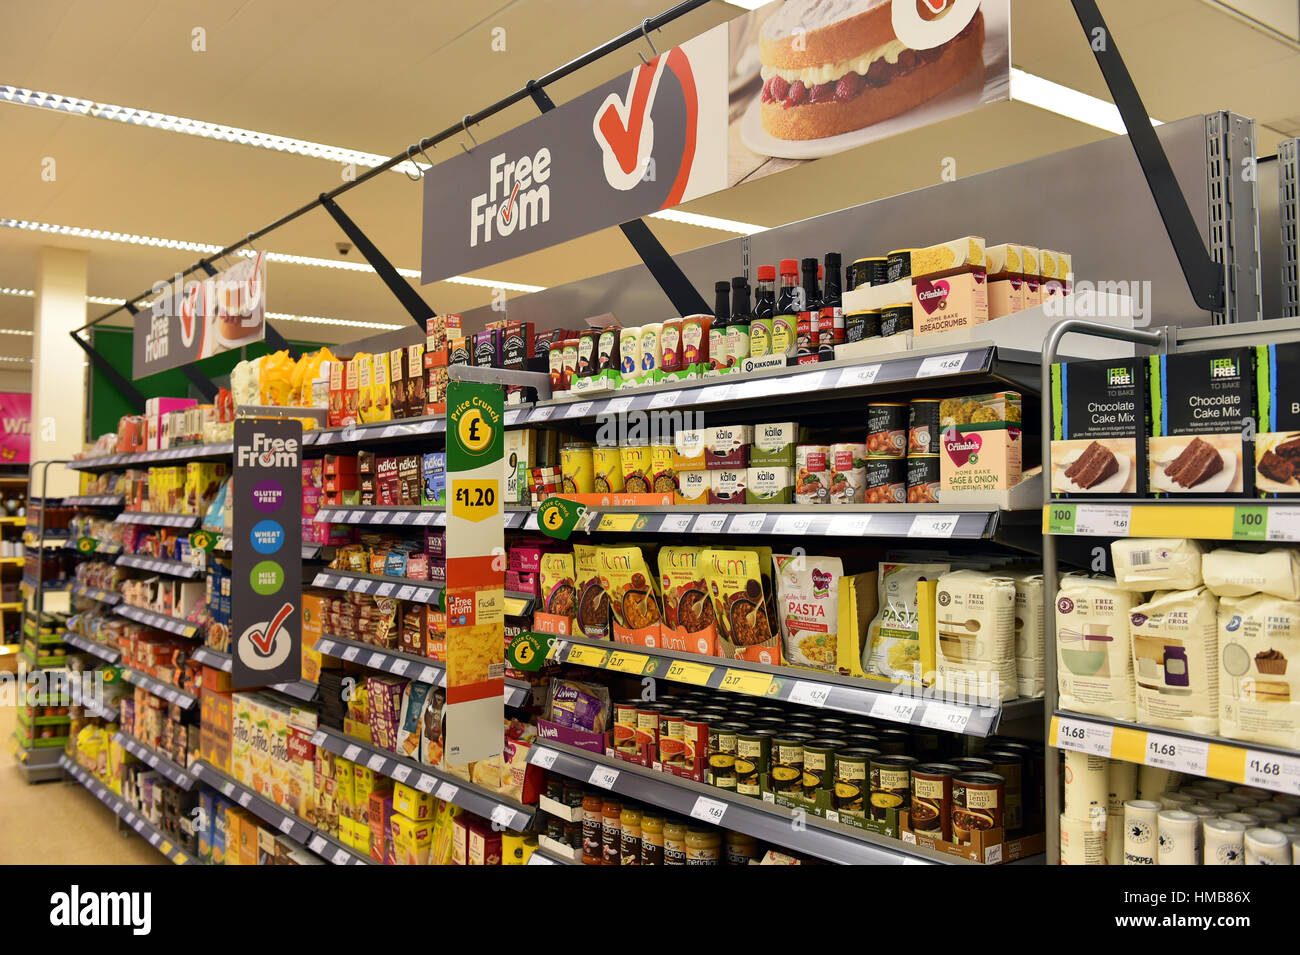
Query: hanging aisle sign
644,141
191,320
16,418
475,594
266,547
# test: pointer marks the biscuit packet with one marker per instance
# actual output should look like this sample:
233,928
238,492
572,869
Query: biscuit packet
633,592
688,621
740,606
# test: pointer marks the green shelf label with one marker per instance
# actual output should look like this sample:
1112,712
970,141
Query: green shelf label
1249,523
1060,518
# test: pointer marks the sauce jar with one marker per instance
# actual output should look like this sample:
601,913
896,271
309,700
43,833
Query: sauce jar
652,839
630,836
703,846
674,842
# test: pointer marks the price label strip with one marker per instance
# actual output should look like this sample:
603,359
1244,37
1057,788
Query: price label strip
1084,737
696,674
1174,752
747,682
1272,771
709,810
603,776
809,694
895,708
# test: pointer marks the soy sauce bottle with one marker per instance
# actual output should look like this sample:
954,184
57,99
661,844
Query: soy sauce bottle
809,314
788,305
830,328
738,327
760,325
719,353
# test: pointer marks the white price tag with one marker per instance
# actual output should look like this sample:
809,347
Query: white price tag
746,524
375,763
1272,771
401,772
795,524
503,816
709,810
423,518
227,788
577,409
423,595
665,399
317,739
603,776
944,716
933,525
245,798
716,393
530,523
376,660
317,844
538,859
286,826
541,414
865,375
399,667
426,783
154,839
618,405
447,792
355,516
897,709
513,415
341,857
709,524
849,525
1283,524
1084,737
350,754
809,694
402,517
1093,521
405,593
941,365
383,590
675,524
543,757
351,653
1174,752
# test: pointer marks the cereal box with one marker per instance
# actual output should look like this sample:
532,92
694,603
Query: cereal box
411,840
241,735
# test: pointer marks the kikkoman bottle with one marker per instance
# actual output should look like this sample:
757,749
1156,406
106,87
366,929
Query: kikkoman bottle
809,314
830,329
788,304
718,351
738,327
760,325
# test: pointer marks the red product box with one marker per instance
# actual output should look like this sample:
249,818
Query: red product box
340,464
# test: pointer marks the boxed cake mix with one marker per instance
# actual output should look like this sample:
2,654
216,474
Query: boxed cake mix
1277,444
1200,405
1100,419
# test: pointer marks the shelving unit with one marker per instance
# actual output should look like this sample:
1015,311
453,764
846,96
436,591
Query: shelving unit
169,693
159,565
130,816
159,621
164,764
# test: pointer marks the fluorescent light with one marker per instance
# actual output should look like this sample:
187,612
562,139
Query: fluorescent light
749,4
1064,101
11,358
16,331
26,292
130,238
708,222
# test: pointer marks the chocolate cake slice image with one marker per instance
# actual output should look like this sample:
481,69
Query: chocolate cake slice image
1275,467
1290,449
1198,461
1093,466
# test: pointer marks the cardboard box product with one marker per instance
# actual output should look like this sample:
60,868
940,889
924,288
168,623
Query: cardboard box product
980,443
949,286
1200,403
409,480
1005,286
412,803
381,396
727,447
433,479
520,451
1100,420
411,840
728,486
397,382
773,444
1277,446
365,387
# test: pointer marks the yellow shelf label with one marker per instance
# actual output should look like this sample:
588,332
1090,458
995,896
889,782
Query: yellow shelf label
633,663
618,522
747,682
683,672
476,500
585,656
1227,763
165,847
515,607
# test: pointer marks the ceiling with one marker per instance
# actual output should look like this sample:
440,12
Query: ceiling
375,77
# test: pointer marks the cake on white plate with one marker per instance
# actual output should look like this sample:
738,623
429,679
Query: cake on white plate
833,66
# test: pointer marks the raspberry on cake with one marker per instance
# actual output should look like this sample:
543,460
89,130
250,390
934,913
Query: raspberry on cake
832,66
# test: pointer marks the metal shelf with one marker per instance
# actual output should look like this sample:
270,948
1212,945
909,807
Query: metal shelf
159,565
157,520
109,597
406,665
812,688
387,516
1233,761
189,452
378,432
164,764
169,693
93,647
104,550
127,814
402,588
300,690
159,621
775,824
500,809
335,852
95,500
212,658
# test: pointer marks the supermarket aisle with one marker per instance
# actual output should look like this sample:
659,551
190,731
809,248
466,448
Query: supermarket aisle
58,823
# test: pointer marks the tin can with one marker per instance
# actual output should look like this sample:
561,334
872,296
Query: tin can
753,758
1010,767
931,809
886,481
576,468
972,764
898,265
925,742
848,473
923,426
833,726
892,741
895,319
977,804
606,470
722,753
861,325
922,478
786,771
819,766
887,429
647,725
867,272
695,743
1031,780
670,345
672,736
891,784
635,460
812,483
852,772
625,721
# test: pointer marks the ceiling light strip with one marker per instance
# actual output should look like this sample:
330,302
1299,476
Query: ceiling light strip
1070,103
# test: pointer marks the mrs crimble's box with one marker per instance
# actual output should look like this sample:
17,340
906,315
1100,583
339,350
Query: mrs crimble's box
980,441
949,286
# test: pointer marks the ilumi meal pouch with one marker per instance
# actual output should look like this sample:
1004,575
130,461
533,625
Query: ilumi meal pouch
593,602
688,622
807,601
740,608
559,591
633,593
893,649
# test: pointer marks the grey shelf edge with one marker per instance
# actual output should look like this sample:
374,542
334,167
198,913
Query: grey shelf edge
813,836
185,521
401,588
158,688
159,621
164,764
539,857
1180,734
843,694
158,565
401,664
86,645
285,822
389,516
95,500
298,690
396,429
189,452
109,597
127,814
475,799
213,658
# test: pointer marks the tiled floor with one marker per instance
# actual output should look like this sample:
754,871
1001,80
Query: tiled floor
58,823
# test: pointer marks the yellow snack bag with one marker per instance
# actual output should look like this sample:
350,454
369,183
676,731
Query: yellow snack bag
276,380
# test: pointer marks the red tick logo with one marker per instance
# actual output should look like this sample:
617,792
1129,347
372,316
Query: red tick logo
507,209
624,129
264,640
